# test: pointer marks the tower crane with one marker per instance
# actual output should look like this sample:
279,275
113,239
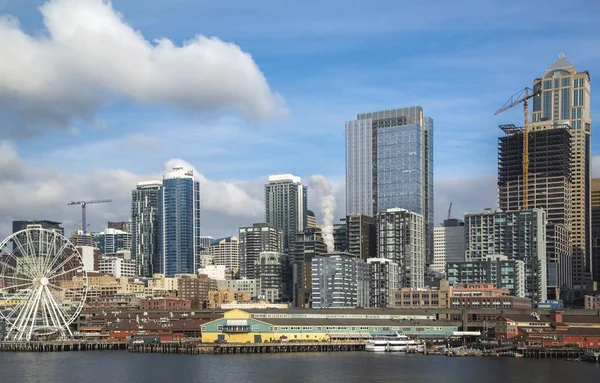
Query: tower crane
449,210
83,205
523,97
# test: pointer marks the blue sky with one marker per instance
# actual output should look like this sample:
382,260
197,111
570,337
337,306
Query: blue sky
459,60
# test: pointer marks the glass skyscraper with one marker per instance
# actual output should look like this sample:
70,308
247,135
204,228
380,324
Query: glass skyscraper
178,223
389,164
144,226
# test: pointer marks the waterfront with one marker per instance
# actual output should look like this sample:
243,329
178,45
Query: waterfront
116,366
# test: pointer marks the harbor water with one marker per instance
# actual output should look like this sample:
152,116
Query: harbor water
343,367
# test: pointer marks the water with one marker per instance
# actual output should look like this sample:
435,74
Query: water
115,367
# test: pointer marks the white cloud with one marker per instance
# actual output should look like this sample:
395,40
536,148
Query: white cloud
34,192
89,56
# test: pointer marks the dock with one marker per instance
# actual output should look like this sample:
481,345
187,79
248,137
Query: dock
56,346
244,348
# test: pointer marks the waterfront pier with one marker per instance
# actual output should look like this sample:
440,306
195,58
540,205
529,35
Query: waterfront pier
244,348
53,346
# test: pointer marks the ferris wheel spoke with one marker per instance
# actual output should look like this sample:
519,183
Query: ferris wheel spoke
56,256
72,256
29,283
57,307
34,313
20,272
74,292
24,257
8,276
23,314
64,272
50,251
52,316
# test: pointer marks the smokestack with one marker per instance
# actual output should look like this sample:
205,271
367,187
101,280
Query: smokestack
327,201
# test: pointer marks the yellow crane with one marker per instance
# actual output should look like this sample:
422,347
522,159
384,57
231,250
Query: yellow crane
523,96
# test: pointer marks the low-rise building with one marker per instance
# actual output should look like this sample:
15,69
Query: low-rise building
554,330
196,288
257,326
224,296
214,271
506,274
250,286
383,281
165,304
117,266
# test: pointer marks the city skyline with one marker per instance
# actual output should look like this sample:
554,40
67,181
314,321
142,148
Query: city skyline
124,140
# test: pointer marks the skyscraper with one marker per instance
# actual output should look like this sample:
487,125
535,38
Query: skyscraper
389,164
401,238
520,235
253,240
178,223
550,188
448,244
339,280
286,206
565,99
144,226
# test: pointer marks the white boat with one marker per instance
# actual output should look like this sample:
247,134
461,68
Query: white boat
397,343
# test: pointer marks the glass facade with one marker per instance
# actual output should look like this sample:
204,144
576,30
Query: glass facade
144,224
359,167
178,223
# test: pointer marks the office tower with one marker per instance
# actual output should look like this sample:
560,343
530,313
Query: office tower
340,236
565,99
42,224
504,273
401,238
389,164
285,206
518,235
255,239
307,245
311,220
448,244
178,223
269,271
339,280
144,227
595,202
113,241
549,189
383,281
120,225
226,252
361,234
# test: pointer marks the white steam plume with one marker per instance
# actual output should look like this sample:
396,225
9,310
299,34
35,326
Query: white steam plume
327,201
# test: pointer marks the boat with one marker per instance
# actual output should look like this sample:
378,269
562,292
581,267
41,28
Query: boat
395,343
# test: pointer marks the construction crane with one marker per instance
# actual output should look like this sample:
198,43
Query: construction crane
449,210
523,97
83,205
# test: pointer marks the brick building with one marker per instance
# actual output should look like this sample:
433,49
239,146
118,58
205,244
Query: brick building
196,288
224,296
165,304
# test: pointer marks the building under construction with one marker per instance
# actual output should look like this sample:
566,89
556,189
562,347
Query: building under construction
549,189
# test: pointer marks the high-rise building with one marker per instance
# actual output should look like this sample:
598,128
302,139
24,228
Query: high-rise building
269,270
549,189
112,241
565,99
286,206
518,235
401,238
389,164
340,236
253,240
144,226
361,232
383,281
307,245
504,273
226,252
311,219
178,223
595,198
448,244
39,224
339,280
204,258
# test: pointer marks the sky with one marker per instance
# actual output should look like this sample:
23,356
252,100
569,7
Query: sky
97,96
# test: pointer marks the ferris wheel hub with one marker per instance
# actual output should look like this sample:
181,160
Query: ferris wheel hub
44,281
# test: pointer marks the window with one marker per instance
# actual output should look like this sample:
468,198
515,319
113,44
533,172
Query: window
255,328
548,84
219,328
203,328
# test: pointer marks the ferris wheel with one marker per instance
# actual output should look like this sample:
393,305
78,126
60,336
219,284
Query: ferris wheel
43,285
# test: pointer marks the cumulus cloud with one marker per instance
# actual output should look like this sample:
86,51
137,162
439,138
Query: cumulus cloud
34,192
89,55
